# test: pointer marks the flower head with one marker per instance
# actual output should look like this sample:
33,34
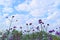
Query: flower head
59,27
33,30
57,33
20,27
24,30
51,31
47,24
10,29
30,24
14,27
37,28
56,28
6,16
40,21
27,24
13,16
44,26
16,20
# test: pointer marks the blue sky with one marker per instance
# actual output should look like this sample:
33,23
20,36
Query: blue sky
27,11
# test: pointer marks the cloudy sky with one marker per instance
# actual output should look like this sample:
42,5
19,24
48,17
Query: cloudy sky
26,11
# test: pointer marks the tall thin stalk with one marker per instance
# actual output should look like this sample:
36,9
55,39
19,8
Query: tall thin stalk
10,25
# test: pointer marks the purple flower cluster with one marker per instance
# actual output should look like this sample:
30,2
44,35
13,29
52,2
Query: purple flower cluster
57,33
51,31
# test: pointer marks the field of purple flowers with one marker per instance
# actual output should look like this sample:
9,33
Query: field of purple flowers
41,34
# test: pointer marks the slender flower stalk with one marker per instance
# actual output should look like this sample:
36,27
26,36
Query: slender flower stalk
33,33
41,23
41,28
28,29
38,28
59,29
21,31
10,24
27,25
11,21
21,28
47,27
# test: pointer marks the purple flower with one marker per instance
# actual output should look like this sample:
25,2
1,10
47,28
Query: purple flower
27,24
56,28
40,21
24,30
47,24
20,27
57,33
33,30
10,29
30,24
37,28
16,20
44,26
13,16
51,31
14,27
59,27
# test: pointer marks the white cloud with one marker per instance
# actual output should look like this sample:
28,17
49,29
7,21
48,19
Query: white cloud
23,7
35,8
6,3
4,15
7,10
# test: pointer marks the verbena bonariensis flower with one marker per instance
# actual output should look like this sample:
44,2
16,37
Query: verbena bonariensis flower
37,28
16,20
56,28
14,27
51,31
20,27
27,24
44,26
24,30
33,30
47,24
57,33
10,28
40,21
30,23
59,27
13,16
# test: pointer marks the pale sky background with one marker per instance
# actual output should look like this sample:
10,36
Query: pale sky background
26,11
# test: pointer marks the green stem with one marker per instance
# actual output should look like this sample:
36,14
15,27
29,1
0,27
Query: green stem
41,28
